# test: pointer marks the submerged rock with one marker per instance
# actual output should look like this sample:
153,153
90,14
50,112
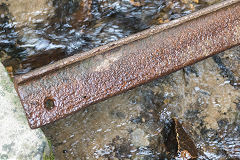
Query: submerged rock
139,138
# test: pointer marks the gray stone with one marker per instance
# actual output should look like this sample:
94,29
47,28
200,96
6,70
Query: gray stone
17,141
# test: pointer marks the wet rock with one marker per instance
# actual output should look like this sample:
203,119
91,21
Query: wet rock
139,138
230,65
117,114
209,2
122,148
25,11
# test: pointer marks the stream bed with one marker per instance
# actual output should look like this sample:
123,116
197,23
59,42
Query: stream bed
192,113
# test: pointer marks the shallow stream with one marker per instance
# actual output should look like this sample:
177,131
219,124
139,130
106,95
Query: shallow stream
36,33
193,111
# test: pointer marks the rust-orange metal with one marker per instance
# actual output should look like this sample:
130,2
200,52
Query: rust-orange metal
83,79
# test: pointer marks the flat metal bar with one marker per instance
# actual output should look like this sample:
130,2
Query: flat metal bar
78,81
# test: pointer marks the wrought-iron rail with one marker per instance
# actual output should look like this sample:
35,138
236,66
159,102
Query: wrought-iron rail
59,89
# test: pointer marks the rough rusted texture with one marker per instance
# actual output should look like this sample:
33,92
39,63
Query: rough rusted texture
122,66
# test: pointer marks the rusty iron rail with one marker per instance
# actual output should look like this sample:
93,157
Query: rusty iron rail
59,89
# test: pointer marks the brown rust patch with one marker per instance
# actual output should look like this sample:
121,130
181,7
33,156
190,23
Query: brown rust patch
139,59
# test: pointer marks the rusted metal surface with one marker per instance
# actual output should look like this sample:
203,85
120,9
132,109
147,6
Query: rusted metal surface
78,81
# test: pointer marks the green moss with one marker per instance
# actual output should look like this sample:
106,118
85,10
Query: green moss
51,155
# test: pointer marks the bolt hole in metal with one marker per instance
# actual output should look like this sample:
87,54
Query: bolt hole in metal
49,103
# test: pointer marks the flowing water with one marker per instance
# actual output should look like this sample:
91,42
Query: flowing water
138,124
36,33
